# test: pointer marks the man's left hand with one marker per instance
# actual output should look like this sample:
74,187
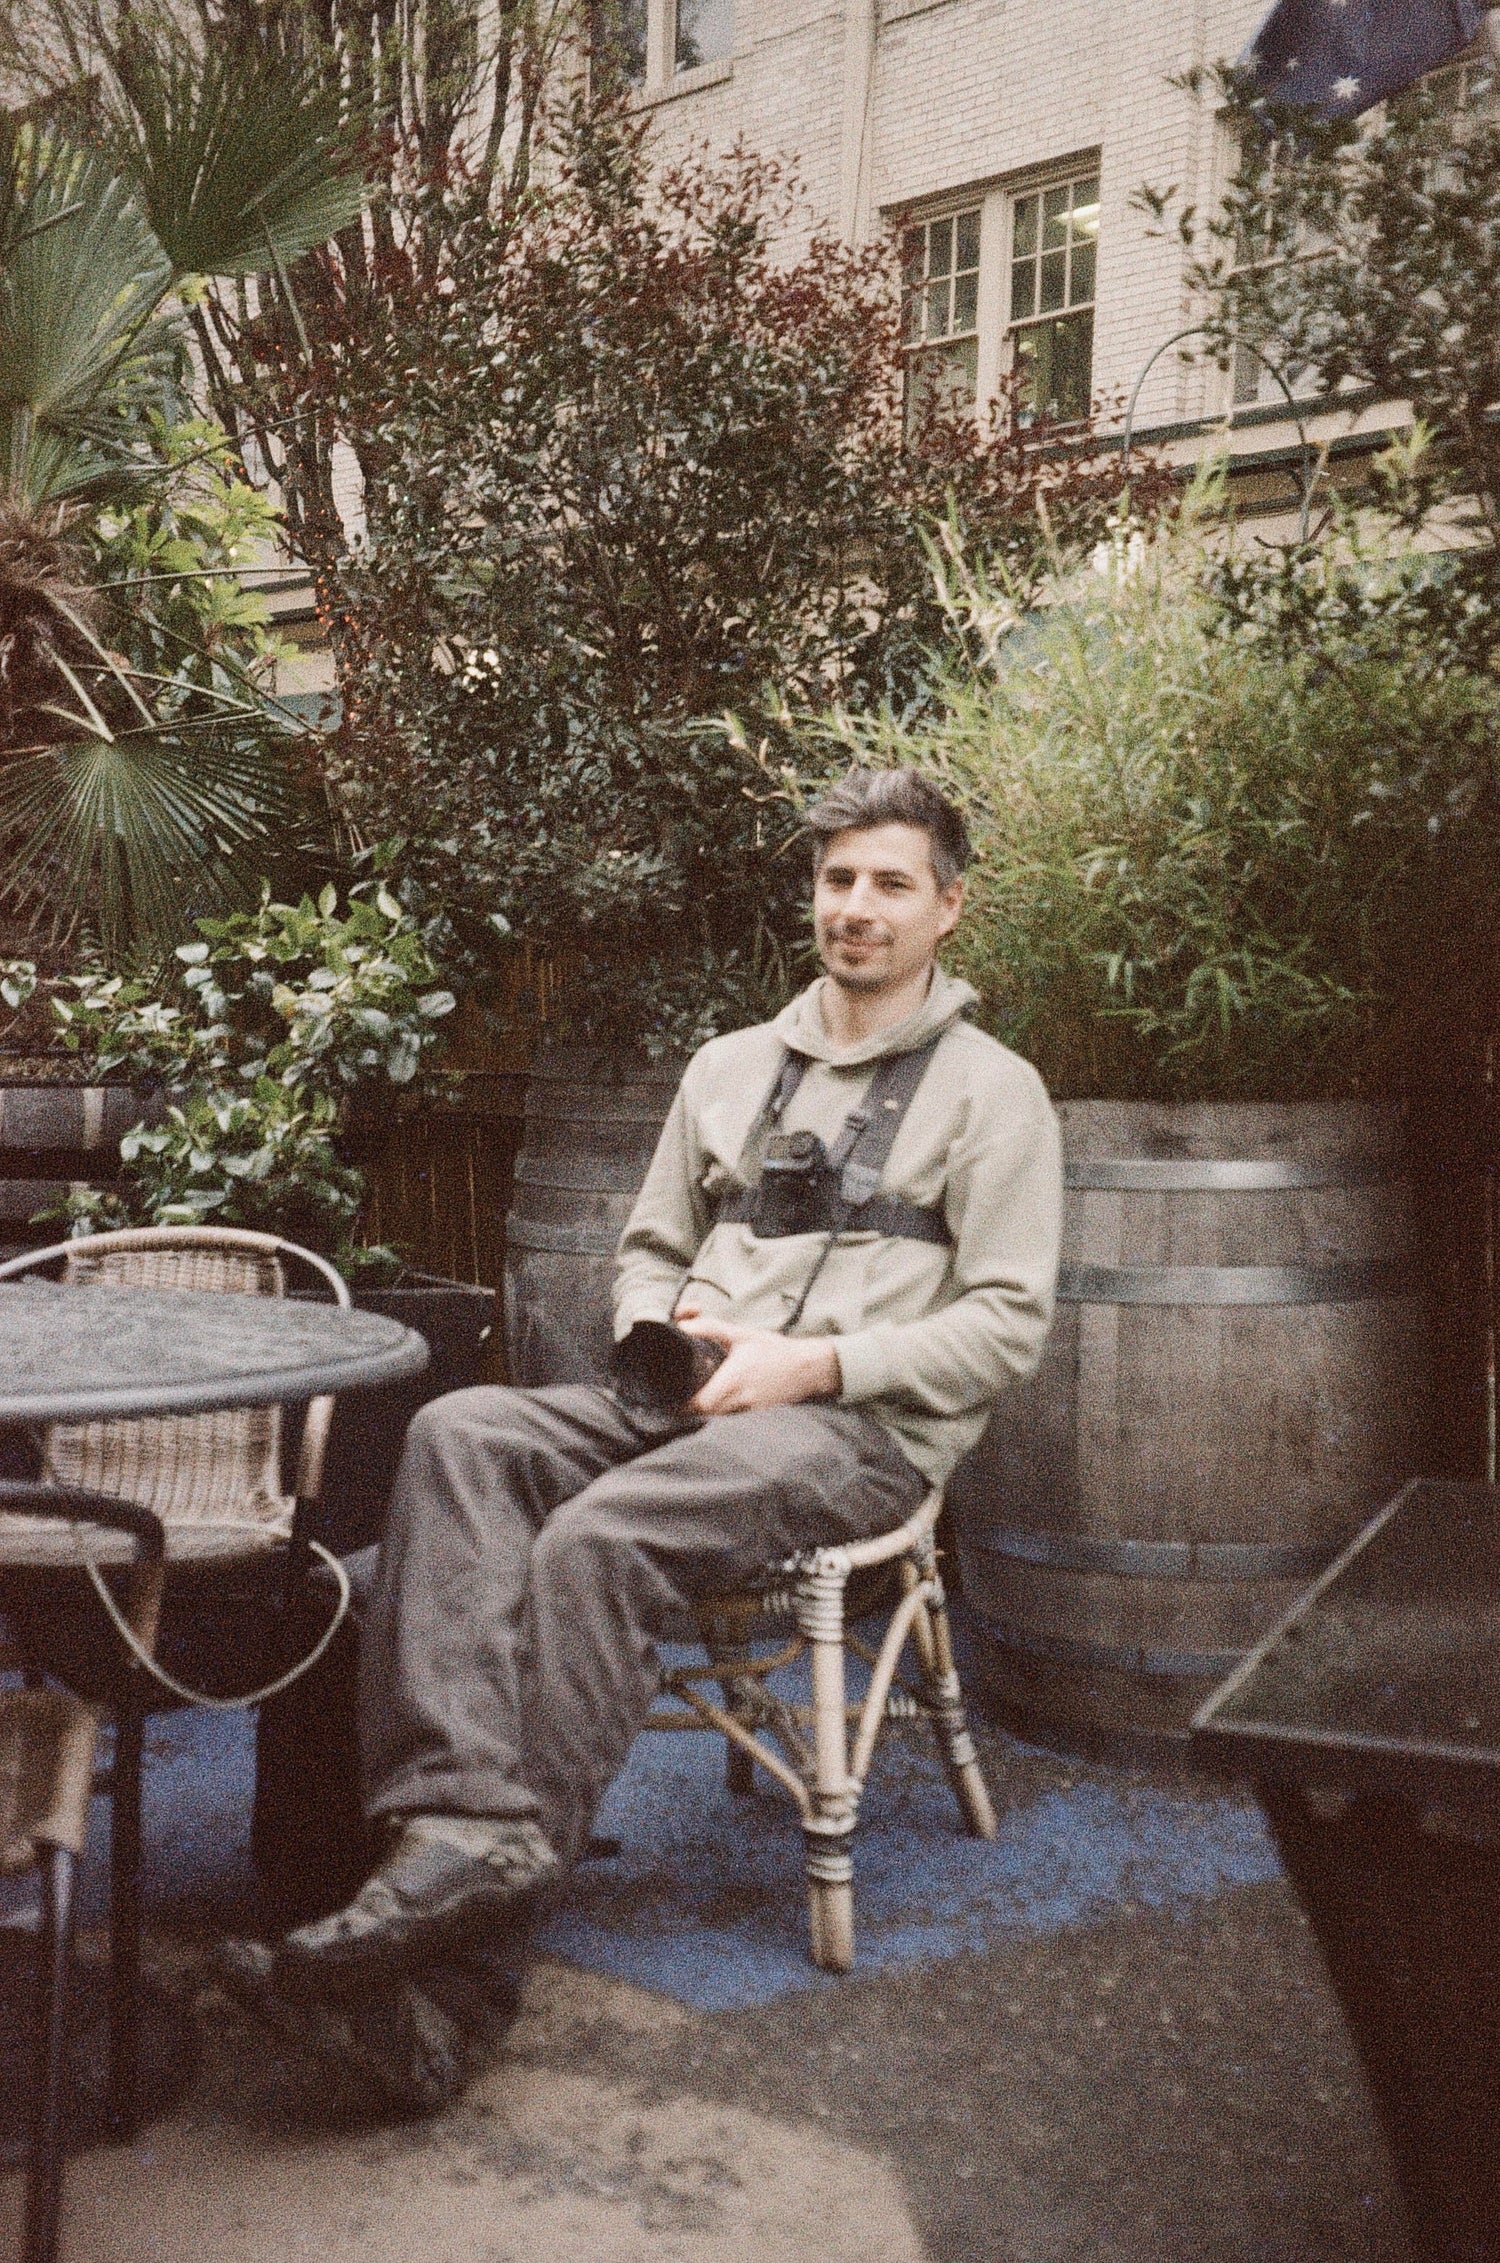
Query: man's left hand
762,1369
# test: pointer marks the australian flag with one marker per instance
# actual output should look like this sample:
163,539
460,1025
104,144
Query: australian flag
1340,57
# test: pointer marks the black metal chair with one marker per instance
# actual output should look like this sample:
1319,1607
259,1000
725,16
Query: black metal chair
240,1537
47,1744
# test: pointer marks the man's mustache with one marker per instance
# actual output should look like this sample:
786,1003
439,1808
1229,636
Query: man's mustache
857,931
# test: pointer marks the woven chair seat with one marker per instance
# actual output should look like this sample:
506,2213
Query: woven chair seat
213,1479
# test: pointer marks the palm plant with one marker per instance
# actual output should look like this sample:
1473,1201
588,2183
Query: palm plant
124,784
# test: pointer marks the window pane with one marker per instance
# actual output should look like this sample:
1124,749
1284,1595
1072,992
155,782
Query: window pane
965,302
940,248
1054,276
1247,374
968,239
705,32
1081,274
1023,243
1085,208
1056,364
618,32
945,380
1022,289
937,308
911,256
1055,218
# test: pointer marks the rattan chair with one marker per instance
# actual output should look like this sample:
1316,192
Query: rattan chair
215,1482
47,1741
813,1757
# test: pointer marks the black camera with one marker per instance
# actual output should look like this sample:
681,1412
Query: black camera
795,1186
658,1367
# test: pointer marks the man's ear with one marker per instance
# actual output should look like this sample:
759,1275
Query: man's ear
951,899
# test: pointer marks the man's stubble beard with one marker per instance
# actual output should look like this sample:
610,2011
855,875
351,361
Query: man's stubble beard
862,985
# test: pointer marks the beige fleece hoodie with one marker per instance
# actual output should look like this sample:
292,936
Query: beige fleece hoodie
927,1336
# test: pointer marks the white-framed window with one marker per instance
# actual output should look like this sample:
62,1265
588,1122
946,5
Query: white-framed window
617,37
1054,270
702,32
653,43
1003,281
1460,92
940,313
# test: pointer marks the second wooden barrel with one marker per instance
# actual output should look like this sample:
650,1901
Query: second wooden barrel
592,1122
1236,1379
54,1136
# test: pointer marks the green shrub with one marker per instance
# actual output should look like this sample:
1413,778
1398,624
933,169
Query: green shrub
1234,815
281,1023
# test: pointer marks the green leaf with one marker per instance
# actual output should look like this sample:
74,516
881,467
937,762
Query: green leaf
144,824
238,154
81,275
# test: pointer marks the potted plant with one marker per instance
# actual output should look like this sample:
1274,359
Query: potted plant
281,1027
1234,894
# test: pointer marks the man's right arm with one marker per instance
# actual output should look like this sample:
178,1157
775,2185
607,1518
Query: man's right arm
668,1225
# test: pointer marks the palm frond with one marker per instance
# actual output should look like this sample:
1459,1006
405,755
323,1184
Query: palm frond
145,831
238,155
81,275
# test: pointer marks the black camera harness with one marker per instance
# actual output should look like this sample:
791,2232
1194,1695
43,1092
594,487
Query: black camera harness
851,1173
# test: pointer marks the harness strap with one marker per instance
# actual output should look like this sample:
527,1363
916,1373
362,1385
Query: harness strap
859,1155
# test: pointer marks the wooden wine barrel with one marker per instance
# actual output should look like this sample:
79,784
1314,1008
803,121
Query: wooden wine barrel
1236,1379
592,1122
53,1136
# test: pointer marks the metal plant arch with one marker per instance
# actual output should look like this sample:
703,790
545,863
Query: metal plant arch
1198,330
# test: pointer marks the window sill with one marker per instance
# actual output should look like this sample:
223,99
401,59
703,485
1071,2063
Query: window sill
685,82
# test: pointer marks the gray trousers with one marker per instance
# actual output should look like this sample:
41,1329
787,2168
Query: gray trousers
539,1544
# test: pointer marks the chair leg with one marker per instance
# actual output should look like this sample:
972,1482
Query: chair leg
829,1829
54,1976
739,1769
945,1701
125,1926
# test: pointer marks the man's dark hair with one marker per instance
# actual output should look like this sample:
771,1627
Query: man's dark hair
892,797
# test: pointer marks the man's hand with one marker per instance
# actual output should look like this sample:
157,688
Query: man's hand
761,1369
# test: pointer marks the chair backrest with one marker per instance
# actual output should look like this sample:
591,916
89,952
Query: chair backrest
215,1479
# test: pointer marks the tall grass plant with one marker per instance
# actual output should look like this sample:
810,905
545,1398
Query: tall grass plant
1234,813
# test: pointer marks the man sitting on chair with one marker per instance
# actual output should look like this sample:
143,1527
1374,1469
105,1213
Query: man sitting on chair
854,1209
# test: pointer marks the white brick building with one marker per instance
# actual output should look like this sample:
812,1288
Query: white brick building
925,112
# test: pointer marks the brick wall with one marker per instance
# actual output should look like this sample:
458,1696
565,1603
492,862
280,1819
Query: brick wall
960,94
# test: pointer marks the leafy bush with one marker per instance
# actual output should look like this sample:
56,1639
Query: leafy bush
1235,816
627,469
284,1020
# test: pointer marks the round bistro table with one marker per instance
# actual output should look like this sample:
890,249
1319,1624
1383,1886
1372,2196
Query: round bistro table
88,1352
82,1352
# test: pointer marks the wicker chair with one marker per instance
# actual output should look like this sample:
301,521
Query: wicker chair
215,1482
47,1740
812,1757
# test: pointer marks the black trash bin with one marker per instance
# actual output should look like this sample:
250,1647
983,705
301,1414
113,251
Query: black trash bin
1369,1723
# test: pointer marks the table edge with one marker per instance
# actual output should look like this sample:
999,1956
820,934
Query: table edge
272,1386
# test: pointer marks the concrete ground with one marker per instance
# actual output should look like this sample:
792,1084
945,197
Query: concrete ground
1143,2064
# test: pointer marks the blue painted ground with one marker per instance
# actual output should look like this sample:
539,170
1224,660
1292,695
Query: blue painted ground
705,1900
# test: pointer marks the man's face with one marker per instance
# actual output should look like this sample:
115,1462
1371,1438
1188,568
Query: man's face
878,911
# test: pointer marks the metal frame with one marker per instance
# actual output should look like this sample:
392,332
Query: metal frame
143,1611
816,1763
1309,477
57,1847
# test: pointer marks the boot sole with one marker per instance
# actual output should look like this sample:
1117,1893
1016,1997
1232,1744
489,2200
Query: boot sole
337,1974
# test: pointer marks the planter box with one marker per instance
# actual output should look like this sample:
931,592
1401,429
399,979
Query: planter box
369,1427
1369,1722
